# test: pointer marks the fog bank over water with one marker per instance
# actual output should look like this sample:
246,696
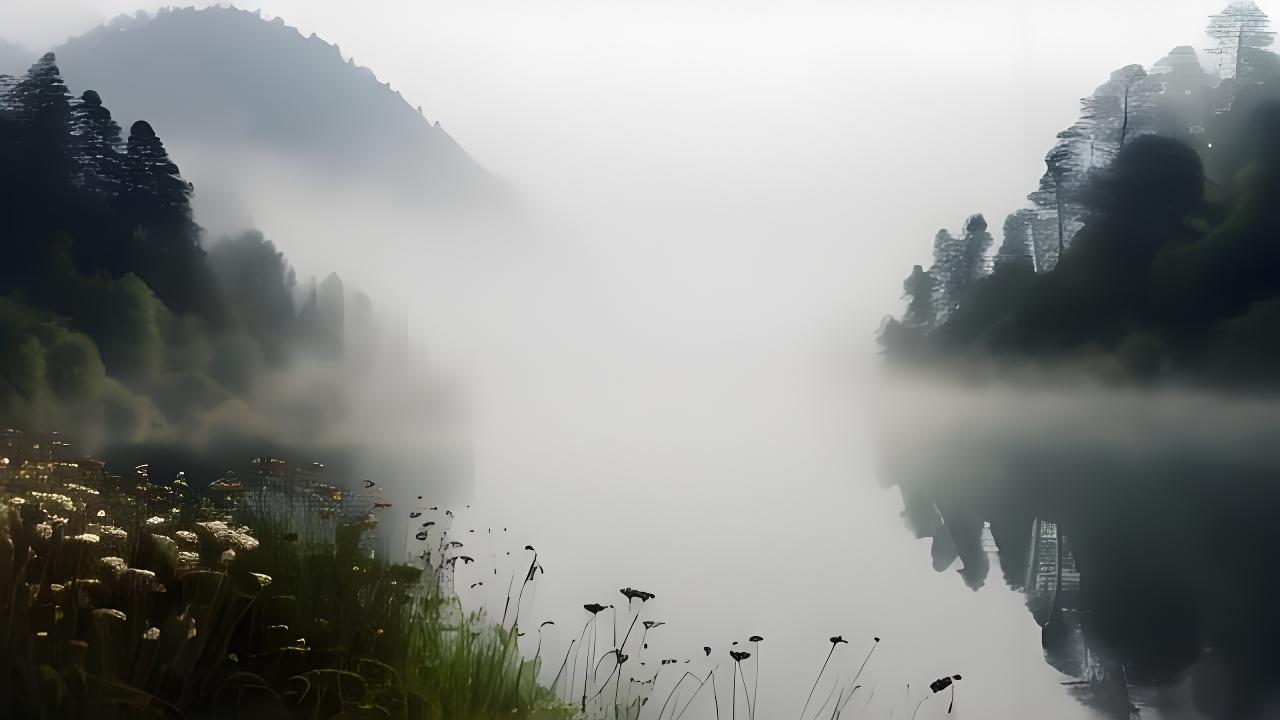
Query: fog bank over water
670,356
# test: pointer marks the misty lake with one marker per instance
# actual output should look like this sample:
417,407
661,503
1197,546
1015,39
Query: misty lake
748,506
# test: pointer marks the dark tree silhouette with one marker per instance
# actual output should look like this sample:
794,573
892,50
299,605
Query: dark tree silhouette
152,178
977,243
947,270
918,292
1016,247
95,147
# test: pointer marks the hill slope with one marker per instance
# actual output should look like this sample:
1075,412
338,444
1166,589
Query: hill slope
227,82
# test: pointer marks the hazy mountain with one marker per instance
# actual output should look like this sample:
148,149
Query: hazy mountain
14,58
227,84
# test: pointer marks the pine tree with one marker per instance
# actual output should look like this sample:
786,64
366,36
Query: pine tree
95,141
1241,30
7,83
42,110
1016,247
918,292
977,243
1119,110
41,96
948,271
151,178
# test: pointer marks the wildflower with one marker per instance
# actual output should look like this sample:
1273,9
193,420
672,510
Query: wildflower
368,484
151,634
640,595
756,639
415,514
651,624
594,608
707,650
836,640
739,656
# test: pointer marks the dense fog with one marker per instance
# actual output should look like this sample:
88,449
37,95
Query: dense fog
665,324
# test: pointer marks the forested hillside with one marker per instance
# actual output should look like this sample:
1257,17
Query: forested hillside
1149,249
117,324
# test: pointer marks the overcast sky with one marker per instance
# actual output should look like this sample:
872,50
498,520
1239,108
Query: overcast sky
536,88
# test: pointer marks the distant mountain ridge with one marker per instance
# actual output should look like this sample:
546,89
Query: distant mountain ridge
225,79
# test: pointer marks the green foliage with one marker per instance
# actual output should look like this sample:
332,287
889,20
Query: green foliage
99,626
1172,275
163,339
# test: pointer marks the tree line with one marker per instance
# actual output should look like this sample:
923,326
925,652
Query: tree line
116,322
1146,251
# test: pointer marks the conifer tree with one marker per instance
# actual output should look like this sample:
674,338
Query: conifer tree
95,142
42,107
918,292
977,243
1016,248
151,177
1241,30
948,271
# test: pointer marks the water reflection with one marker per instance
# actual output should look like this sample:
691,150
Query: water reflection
1137,527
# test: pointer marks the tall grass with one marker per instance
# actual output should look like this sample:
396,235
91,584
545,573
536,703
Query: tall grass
165,617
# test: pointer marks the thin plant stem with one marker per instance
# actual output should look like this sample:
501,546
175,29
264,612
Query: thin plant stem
817,680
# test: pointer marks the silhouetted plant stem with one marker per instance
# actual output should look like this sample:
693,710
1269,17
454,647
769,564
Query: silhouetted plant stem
857,675
751,713
755,690
917,710
527,579
709,678
562,665
817,680
868,703
671,694
715,694
825,701
507,605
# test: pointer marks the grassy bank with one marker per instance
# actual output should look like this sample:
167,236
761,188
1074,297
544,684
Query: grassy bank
119,603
